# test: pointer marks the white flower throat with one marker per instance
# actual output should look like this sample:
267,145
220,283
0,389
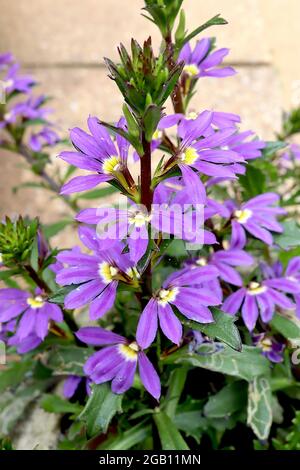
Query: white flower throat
35,302
255,288
107,272
167,295
111,165
242,216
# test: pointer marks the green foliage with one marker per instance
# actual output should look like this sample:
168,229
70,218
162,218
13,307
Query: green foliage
169,435
228,400
17,239
56,404
291,123
144,80
289,439
163,13
260,407
65,360
290,237
128,439
100,408
219,357
223,328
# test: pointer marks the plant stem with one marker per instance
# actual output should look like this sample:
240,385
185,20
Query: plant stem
146,200
176,94
36,279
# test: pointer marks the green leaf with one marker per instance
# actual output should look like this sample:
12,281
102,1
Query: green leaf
98,193
219,357
132,125
100,408
7,273
56,404
272,147
180,31
170,437
65,360
34,255
289,327
151,119
14,374
259,413
290,237
189,418
253,182
128,439
227,401
59,296
223,328
50,230
176,385
216,20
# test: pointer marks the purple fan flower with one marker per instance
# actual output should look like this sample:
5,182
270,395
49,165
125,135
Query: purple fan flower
256,216
72,383
15,82
290,157
271,349
224,261
182,290
219,120
32,108
6,329
25,345
45,137
291,274
132,224
98,274
98,153
201,62
260,298
6,59
118,361
34,311
205,156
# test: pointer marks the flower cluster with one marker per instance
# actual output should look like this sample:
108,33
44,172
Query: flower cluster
22,108
123,248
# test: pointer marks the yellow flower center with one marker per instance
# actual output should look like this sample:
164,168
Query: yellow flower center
167,295
111,165
133,273
35,302
242,216
192,116
107,272
266,344
139,219
256,288
189,156
1,258
157,135
129,351
201,261
191,69
225,244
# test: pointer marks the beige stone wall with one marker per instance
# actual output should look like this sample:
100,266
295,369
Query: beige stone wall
62,42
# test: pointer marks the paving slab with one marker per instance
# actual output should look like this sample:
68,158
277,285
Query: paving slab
72,31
